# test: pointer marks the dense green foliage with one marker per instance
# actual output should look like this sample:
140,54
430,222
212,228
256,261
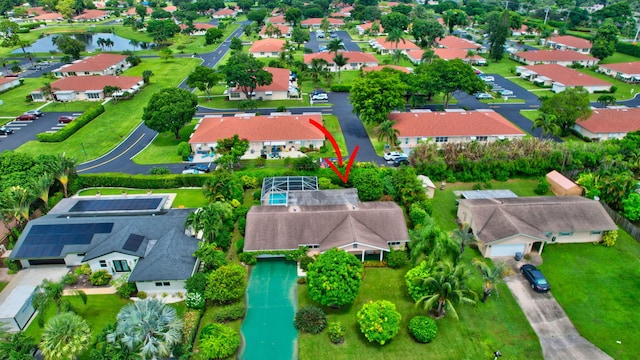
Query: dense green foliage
170,109
368,183
71,128
336,331
197,283
397,258
230,312
17,347
100,278
423,328
195,300
334,278
379,321
310,319
418,290
227,283
376,94
65,337
218,341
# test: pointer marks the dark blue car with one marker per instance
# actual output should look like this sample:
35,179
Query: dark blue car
538,282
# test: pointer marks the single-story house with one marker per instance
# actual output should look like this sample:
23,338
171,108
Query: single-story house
92,15
604,124
7,83
90,88
170,8
383,46
454,42
363,28
415,56
462,54
508,226
287,132
277,90
120,234
487,194
560,78
314,23
562,186
132,11
277,20
343,12
523,30
200,28
629,71
369,228
267,47
568,42
101,64
278,31
560,57
49,17
452,127
381,67
225,13
355,60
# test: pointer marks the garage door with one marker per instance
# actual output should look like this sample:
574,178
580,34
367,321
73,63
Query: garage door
507,250
47,262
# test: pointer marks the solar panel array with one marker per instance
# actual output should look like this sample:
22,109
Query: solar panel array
116,204
133,242
49,240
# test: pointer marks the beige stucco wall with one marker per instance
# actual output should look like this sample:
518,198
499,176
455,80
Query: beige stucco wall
600,136
410,142
275,95
150,287
109,258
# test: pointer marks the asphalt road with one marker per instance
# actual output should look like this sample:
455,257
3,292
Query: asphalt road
314,43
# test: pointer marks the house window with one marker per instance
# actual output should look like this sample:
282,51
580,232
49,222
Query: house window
547,234
394,243
406,141
93,95
481,138
355,246
596,232
442,139
163,283
566,233
268,93
121,265
234,95
103,263
312,246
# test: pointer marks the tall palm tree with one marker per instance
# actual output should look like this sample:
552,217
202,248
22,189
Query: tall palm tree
397,56
433,242
395,36
148,327
222,186
427,56
318,69
469,56
15,204
108,43
340,61
386,132
449,288
334,46
100,43
492,276
210,220
40,188
51,293
65,337
325,25
63,169
547,123
464,237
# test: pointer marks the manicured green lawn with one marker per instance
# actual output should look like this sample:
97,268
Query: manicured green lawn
332,124
187,198
164,148
13,101
504,67
222,102
3,284
598,289
75,106
622,93
498,324
618,58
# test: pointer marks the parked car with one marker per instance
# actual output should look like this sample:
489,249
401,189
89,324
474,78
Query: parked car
37,113
401,160
65,119
320,34
24,117
5,131
321,96
393,155
487,78
205,168
537,281
333,35
481,96
192,171
505,92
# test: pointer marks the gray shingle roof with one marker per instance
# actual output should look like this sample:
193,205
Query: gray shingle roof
114,242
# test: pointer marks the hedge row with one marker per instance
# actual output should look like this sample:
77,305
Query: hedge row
138,181
628,49
62,134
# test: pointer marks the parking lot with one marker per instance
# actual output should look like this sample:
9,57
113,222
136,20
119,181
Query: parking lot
24,131
314,43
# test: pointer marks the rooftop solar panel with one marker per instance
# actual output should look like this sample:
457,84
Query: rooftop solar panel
49,240
133,242
94,205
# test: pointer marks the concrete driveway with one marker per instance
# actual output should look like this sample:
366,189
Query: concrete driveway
558,337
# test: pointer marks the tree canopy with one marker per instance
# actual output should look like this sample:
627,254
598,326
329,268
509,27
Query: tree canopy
447,77
69,45
375,95
334,278
245,72
204,78
498,27
227,283
605,40
568,107
231,150
169,110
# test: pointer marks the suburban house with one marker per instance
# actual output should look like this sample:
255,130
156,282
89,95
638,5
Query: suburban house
462,54
506,226
297,214
454,42
48,17
267,47
139,235
560,57
415,56
278,31
89,88
383,46
568,42
101,64
452,127
314,23
629,71
381,67
562,186
7,83
92,15
355,59
523,30
282,130
277,20
200,28
604,124
343,12
277,90
132,11
224,13
363,28
560,78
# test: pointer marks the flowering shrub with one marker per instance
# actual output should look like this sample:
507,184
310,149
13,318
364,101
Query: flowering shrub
195,300
379,321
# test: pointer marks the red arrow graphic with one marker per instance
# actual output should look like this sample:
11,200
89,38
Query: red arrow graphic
333,167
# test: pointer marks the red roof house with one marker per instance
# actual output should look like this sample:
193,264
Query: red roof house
454,42
629,71
355,59
92,15
462,54
561,78
277,90
267,47
89,88
385,47
224,13
606,124
7,83
560,57
568,42
101,64
315,23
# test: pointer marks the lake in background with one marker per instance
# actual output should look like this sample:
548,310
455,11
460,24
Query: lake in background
45,44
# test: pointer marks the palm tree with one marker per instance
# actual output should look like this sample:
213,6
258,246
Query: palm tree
464,237
63,169
51,292
318,69
100,43
134,43
15,204
334,46
108,43
547,123
340,61
325,25
433,242
448,284
492,276
395,36
148,327
428,56
210,220
47,90
40,188
65,337
397,56
375,28
146,76
386,132
16,346
470,55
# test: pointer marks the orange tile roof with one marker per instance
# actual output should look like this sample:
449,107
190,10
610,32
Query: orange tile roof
454,42
631,68
284,29
6,80
565,75
225,12
380,67
472,123
170,8
279,80
198,26
132,11
98,62
267,45
415,54
368,26
258,128
277,19
353,56
612,121
318,21
406,45
49,16
91,14
450,54
38,10
86,83
572,41
553,55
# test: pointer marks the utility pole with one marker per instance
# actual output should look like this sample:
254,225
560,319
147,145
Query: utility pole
546,14
506,5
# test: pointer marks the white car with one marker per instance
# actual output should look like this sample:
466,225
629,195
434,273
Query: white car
506,92
320,96
487,78
192,171
393,155
481,96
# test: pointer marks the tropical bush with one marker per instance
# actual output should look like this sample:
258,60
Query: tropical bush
631,206
218,341
334,278
397,258
12,265
70,129
227,283
84,269
423,328
123,287
310,319
305,261
336,331
418,290
248,258
194,300
609,238
229,312
100,278
197,283
142,295
70,279
379,321
543,186
368,182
